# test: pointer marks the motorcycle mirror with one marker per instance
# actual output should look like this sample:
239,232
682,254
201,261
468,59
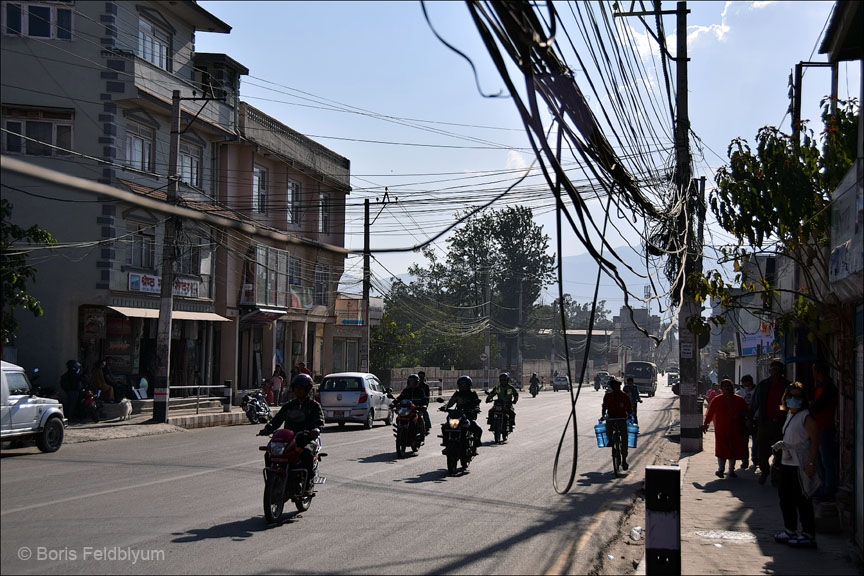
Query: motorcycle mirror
388,390
439,399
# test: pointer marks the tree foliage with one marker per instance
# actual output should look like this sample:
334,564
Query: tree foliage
443,314
15,273
775,201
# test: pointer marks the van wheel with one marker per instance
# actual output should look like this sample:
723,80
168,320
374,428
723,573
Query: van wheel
51,437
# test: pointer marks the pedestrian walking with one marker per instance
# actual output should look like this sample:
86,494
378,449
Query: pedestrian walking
769,418
727,411
747,390
276,382
798,477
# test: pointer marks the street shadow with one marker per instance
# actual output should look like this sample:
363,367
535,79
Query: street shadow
438,476
718,485
386,457
236,531
592,478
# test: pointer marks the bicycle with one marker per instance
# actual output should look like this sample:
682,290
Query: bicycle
616,440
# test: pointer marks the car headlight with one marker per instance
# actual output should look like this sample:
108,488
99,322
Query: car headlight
278,448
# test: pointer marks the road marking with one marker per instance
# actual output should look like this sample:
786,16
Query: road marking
129,487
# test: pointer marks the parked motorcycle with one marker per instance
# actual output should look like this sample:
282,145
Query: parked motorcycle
460,445
285,475
89,405
409,428
254,405
499,421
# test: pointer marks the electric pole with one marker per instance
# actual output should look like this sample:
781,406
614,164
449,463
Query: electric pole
161,394
364,347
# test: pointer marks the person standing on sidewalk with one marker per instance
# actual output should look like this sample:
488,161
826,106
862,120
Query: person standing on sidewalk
800,450
823,409
727,411
769,418
747,391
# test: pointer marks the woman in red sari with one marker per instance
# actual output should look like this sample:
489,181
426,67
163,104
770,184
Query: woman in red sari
727,411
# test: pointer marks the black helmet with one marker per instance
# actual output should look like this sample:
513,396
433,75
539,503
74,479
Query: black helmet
533,373
73,365
613,383
413,378
302,380
504,377
464,383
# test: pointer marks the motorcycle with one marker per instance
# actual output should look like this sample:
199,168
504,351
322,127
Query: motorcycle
254,405
499,421
534,389
409,428
285,475
89,405
460,445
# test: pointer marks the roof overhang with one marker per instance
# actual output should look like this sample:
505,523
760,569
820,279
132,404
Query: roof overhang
175,314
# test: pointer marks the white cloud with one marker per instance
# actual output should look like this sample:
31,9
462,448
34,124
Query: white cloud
516,161
760,5
718,31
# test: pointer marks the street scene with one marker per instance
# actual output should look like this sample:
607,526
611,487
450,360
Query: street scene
473,287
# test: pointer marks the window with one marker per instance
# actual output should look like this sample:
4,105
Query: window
18,384
190,164
320,287
37,132
294,278
139,147
324,214
38,20
259,190
292,192
141,253
189,257
154,44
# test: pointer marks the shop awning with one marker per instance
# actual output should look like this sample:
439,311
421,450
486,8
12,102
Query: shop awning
263,315
175,315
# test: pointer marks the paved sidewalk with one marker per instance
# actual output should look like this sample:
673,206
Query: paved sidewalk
728,526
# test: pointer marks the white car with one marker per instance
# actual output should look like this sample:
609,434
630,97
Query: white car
26,416
560,383
355,397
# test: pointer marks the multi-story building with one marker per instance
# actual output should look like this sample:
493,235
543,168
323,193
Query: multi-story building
87,91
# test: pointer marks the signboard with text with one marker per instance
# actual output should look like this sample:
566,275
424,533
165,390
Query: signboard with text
349,312
150,284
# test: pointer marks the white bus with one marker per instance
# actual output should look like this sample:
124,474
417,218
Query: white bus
644,375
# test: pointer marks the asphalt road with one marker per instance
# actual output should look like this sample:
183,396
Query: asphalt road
191,502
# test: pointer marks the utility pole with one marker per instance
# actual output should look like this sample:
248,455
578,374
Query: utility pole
487,305
364,345
519,340
161,394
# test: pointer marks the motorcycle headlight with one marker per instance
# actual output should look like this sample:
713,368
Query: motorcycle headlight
404,411
454,422
278,448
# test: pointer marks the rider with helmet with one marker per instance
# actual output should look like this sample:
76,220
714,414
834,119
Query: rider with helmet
535,383
466,400
508,394
415,394
305,417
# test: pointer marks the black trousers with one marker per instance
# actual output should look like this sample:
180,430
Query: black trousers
794,503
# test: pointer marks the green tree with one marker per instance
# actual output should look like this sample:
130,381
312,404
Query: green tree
775,201
15,273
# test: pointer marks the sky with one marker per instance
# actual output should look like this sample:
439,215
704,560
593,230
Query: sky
371,81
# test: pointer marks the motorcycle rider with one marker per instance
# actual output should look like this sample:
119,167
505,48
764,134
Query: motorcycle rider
617,404
466,400
535,383
633,392
425,387
415,394
305,417
508,394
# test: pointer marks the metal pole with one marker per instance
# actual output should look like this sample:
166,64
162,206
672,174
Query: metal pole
166,300
364,353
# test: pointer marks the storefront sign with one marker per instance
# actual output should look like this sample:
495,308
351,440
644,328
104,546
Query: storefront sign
349,312
751,343
153,285
301,297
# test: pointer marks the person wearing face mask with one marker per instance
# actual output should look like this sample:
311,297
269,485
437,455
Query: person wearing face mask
798,479
727,410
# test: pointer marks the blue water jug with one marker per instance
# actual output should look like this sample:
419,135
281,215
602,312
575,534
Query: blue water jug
600,431
632,433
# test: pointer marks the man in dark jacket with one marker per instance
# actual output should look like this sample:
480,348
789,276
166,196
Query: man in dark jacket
616,407
303,416
415,394
769,419
72,382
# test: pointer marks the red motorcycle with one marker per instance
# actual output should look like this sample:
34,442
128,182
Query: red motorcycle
409,428
285,475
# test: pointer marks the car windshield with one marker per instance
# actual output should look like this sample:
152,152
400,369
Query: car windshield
347,384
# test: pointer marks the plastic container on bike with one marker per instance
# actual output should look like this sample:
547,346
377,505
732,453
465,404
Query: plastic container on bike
600,431
632,433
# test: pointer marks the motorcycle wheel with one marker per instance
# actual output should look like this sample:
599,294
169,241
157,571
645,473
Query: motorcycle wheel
400,444
389,420
497,436
93,413
274,498
302,503
251,416
465,457
452,460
